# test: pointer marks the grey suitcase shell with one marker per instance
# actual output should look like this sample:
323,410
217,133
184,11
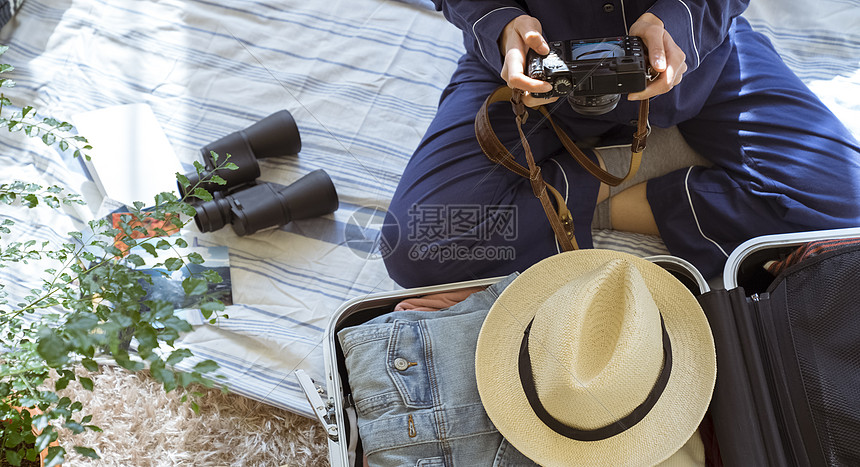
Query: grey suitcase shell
330,401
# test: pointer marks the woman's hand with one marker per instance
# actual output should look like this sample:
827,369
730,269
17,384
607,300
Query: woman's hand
521,34
664,54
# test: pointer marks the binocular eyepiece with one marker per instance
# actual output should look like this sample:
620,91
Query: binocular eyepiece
250,206
267,204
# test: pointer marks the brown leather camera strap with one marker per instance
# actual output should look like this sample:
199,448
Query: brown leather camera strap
559,216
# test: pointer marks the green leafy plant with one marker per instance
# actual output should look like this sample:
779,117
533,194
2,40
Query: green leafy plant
92,302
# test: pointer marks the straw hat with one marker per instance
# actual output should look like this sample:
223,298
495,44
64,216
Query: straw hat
617,353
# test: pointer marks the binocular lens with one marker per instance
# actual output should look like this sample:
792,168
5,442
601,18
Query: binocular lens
269,205
275,135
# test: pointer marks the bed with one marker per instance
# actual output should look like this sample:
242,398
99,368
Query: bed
361,78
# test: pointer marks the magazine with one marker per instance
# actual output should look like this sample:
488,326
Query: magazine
167,285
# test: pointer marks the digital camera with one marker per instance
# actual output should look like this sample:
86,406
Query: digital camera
592,73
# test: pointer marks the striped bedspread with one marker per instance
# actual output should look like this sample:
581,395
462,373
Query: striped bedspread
820,42
361,78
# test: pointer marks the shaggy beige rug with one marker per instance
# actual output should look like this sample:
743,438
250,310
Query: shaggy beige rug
144,426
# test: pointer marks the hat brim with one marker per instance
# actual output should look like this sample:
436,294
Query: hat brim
663,431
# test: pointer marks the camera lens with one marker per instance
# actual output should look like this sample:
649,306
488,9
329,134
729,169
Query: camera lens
594,105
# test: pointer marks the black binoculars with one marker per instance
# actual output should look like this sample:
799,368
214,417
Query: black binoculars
250,206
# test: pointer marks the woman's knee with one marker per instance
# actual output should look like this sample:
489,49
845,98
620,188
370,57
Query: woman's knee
414,261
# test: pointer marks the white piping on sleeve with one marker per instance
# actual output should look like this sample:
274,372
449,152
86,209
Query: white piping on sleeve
624,18
566,189
480,48
692,35
695,217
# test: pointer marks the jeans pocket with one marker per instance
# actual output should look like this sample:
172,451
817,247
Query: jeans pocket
408,364
431,462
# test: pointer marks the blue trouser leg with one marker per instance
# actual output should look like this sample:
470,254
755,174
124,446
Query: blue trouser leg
454,204
782,162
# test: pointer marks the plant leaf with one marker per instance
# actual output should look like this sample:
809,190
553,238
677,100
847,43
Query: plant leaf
212,276
56,456
206,366
12,457
30,200
53,348
195,258
74,427
183,180
87,452
86,383
194,286
208,308
150,248
177,356
90,364
135,260
173,264
202,194
44,439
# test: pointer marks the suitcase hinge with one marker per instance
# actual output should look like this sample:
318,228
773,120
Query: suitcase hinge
324,411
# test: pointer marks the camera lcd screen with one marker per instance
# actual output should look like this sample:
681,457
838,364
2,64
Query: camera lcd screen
596,50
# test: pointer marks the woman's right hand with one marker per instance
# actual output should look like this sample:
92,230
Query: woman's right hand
518,36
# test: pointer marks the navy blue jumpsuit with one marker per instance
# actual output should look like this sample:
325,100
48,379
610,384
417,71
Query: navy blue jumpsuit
782,162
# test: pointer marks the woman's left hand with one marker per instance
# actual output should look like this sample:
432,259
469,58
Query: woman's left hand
664,55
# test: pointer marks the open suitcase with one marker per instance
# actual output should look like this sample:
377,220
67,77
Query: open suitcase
760,412
332,403
788,352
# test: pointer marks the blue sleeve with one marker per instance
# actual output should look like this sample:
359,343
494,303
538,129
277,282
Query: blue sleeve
698,26
484,21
